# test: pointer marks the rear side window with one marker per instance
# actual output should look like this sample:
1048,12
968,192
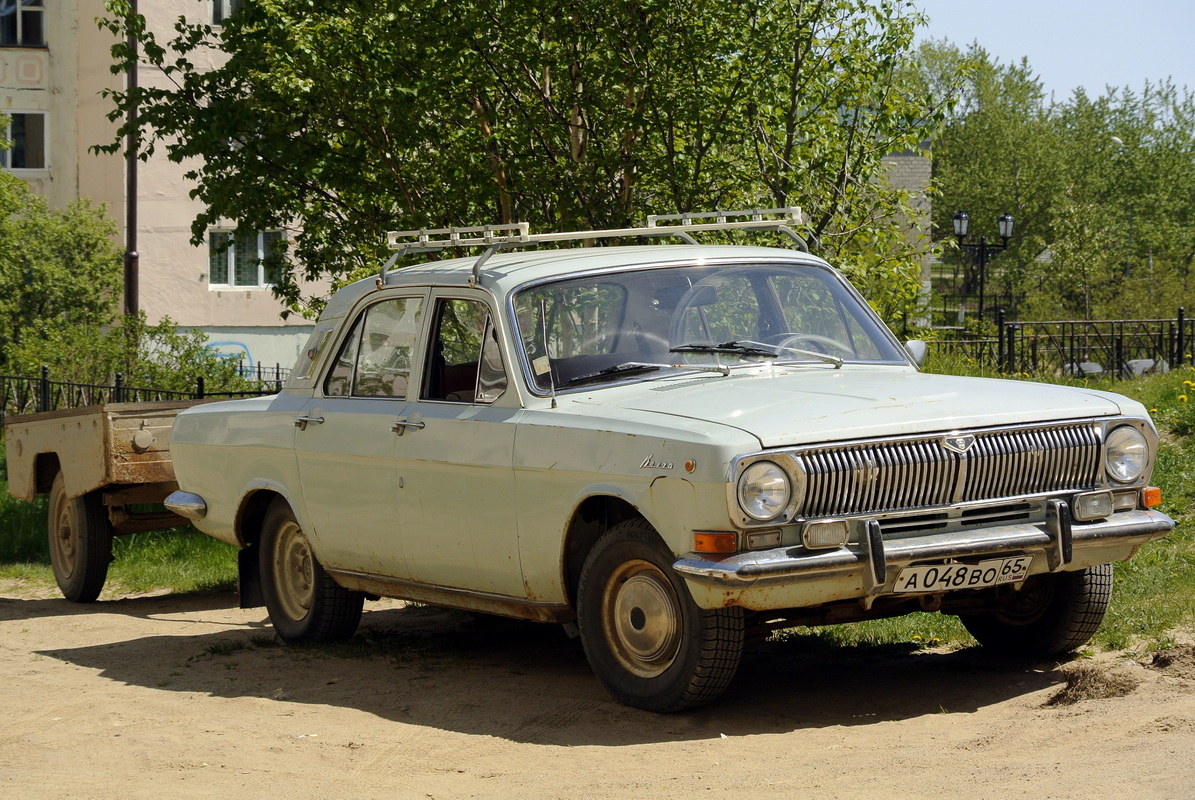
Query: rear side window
311,352
375,359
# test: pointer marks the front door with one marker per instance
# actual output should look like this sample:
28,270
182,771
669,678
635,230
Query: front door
455,458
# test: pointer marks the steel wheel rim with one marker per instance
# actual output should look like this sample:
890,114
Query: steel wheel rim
294,571
64,538
642,618
1027,606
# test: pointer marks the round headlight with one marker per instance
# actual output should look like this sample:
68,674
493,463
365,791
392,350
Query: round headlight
1127,454
764,491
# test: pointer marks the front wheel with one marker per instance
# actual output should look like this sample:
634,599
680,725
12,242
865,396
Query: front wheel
80,543
305,604
1050,615
643,635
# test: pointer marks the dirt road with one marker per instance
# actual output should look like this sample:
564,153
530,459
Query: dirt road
189,696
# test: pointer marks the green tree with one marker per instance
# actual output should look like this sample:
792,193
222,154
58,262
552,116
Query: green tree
58,267
1102,189
341,122
158,356
60,279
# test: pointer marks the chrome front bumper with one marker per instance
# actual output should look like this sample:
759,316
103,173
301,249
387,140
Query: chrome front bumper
759,579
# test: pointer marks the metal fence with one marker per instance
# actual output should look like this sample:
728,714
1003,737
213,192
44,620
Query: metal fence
26,395
1121,348
263,374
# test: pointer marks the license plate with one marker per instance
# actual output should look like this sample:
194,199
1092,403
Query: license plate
944,577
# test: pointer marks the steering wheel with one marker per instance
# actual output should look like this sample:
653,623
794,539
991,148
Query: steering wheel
815,343
697,295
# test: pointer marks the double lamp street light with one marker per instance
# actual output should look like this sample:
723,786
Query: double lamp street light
982,250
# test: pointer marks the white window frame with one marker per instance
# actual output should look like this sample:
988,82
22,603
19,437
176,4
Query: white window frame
6,133
30,5
230,261
225,8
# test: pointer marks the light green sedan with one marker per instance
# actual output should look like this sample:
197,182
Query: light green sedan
664,448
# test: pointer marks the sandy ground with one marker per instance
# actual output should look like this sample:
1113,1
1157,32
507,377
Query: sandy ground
189,696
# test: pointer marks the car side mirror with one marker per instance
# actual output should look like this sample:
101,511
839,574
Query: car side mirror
917,350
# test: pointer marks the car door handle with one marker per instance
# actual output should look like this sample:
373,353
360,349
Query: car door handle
400,425
302,422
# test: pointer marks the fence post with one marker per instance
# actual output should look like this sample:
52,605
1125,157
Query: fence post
43,389
1182,338
199,387
1000,340
1010,350
1120,365
118,389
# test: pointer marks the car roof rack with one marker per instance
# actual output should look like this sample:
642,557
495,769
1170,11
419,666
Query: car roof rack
496,238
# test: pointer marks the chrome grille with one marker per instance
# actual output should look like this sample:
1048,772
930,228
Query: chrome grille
917,473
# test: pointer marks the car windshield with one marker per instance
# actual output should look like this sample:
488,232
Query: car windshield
689,317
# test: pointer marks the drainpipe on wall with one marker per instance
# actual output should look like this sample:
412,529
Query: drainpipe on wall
131,257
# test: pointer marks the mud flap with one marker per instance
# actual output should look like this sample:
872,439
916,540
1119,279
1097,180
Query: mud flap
249,578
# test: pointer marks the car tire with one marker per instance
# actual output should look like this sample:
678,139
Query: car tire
305,605
80,538
1051,615
643,635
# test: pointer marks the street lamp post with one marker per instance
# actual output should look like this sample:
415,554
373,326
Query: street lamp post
982,250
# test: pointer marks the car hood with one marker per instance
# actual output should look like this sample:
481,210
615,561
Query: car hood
792,406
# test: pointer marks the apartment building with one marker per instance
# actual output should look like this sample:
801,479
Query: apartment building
54,65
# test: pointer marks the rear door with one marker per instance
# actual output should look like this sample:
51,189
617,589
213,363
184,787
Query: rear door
345,439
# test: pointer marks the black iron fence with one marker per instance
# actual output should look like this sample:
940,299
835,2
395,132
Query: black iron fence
1120,348
260,372
26,395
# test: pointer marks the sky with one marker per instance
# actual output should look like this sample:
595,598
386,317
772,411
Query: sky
1072,43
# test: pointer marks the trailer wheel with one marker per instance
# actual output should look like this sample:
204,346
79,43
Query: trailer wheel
80,543
305,604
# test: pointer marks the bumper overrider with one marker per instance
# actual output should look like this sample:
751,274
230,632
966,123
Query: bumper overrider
794,576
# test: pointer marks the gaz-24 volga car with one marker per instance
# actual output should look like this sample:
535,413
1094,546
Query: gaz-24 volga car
665,448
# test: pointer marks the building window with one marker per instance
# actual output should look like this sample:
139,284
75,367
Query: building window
21,23
249,261
27,134
221,9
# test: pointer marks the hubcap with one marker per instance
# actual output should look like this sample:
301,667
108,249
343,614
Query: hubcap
294,571
642,618
63,539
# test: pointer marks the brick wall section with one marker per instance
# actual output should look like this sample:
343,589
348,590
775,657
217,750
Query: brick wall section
911,170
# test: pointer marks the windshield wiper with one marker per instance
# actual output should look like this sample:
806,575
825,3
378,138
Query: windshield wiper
746,347
628,368
734,348
635,367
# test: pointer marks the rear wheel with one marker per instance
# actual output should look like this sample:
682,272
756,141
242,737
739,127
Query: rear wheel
1052,614
80,543
644,637
305,604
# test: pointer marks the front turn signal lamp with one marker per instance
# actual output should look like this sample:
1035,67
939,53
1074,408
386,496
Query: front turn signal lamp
1151,496
715,542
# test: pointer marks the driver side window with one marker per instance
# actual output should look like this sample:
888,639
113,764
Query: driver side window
464,363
